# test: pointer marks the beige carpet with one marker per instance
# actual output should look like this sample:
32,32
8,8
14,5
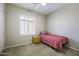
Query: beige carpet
38,50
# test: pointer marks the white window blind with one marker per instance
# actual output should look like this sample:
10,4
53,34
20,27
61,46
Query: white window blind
27,25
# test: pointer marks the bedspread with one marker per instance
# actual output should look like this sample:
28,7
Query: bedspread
54,41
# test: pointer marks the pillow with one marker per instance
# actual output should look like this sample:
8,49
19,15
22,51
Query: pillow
44,33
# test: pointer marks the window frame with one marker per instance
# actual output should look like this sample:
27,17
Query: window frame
28,20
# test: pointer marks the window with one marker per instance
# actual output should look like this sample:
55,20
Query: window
27,25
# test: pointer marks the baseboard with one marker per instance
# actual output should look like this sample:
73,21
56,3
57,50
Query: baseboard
74,48
17,45
31,42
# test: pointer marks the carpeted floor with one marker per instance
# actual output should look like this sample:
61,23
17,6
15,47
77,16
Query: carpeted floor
38,50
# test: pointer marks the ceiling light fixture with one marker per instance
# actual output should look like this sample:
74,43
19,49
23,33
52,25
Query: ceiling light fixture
43,4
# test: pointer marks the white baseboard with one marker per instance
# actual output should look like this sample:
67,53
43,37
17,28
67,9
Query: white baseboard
74,48
17,45
31,42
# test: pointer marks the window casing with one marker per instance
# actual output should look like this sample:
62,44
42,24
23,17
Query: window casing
27,25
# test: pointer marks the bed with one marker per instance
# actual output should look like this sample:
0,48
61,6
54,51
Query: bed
55,41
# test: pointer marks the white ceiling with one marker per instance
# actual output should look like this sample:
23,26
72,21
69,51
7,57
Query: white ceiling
37,7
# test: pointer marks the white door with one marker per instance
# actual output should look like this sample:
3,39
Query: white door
1,28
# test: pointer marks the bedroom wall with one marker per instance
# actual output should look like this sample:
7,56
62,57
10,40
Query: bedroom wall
66,22
2,27
13,37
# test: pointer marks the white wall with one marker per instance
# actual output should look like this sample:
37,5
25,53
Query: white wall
66,22
2,31
12,25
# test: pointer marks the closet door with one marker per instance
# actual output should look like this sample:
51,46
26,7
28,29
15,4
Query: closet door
2,34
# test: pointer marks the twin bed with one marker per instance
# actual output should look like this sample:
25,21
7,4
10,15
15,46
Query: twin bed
54,41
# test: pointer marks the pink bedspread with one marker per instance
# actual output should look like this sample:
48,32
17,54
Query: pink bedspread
54,41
